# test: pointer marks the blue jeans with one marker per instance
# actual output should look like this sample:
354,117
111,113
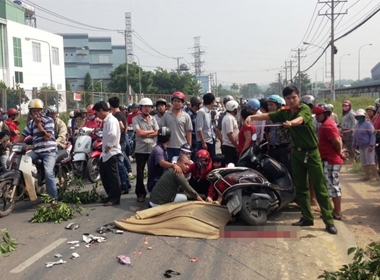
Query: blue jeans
172,152
127,163
48,159
124,181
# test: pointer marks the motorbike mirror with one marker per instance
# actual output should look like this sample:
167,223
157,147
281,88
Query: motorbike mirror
254,137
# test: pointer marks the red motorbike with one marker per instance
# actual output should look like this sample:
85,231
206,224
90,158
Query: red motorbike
93,163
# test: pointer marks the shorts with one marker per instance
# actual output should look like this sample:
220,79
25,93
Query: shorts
331,172
367,157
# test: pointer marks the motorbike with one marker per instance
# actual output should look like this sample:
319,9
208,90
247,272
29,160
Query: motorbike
93,162
26,176
257,187
82,151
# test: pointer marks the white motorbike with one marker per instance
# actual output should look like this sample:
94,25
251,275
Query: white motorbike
82,151
26,177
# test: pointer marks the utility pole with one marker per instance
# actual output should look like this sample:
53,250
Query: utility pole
128,49
279,84
286,73
198,63
291,72
332,15
298,57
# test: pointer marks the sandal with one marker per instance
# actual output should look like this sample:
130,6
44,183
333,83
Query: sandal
169,273
141,199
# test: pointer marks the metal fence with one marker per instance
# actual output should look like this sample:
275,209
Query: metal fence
66,100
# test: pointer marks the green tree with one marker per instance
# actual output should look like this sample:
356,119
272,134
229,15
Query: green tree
250,90
68,86
88,82
14,96
235,86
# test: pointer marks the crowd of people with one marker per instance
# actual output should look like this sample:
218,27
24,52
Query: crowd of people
175,144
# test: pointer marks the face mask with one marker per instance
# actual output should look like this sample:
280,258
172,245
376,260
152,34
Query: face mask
90,118
360,119
201,164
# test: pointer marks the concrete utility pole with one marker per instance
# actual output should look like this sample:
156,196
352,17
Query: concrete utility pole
332,15
279,84
291,72
286,73
128,49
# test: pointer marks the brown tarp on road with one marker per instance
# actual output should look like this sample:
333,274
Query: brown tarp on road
186,219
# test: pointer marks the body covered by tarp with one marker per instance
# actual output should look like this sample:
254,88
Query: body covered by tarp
186,219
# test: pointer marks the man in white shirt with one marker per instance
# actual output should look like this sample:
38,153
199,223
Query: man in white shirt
108,166
230,132
204,126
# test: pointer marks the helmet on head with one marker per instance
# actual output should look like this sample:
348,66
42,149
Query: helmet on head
283,103
71,114
91,112
163,134
275,98
227,98
202,158
134,105
123,107
36,104
332,106
308,99
377,102
179,95
12,112
373,108
186,148
254,104
232,105
160,102
322,108
82,110
360,113
51,110
195,101
346,102
146,102
90,107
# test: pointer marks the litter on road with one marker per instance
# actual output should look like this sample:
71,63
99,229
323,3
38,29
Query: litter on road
74,256
124,260
50,264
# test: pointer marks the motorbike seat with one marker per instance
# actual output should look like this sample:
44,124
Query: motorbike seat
61,155
225,171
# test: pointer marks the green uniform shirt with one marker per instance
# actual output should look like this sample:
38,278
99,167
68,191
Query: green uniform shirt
302,136
167,187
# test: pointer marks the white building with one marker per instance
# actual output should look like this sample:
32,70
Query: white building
30,57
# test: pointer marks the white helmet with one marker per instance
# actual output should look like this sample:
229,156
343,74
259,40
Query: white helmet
71,114
146,101
360,112
232,105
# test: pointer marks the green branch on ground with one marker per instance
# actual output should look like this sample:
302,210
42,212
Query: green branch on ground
365,265
9,244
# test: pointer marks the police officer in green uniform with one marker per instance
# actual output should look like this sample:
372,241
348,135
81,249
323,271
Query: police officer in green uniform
305,158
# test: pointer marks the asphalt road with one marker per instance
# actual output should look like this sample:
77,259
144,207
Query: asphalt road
304,257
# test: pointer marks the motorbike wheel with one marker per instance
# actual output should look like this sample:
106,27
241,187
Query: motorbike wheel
79,169
254,217
93,170
61,179
6,207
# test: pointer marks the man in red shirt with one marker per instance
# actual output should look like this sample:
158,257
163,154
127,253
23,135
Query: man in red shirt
134,112
330,148
13,124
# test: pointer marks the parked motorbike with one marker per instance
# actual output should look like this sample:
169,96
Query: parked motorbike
27,177
256,188
82,151
93,163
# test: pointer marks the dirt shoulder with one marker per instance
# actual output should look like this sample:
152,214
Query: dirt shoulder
361,206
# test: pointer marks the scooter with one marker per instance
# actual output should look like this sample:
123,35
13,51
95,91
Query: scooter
82,151
93,163
26,176
256,188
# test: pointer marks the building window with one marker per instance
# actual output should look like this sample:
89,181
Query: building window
104,58
55,55
17,52
19,77
36,51
59,86
70,70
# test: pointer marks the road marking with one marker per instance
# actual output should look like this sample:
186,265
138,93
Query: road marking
37,256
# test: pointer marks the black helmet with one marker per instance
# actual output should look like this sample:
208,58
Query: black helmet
163,134
195,101
134,105
227,98
160,101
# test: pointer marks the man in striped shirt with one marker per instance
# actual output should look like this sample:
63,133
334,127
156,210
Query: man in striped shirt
41,128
